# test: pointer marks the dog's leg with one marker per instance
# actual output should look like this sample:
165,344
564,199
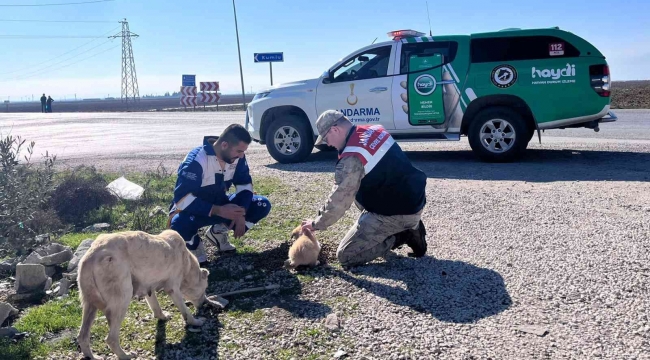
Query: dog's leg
155,307
115,317
177,297
88,317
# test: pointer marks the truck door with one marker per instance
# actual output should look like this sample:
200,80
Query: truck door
360,88
423,115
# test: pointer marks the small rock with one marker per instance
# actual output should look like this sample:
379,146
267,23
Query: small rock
332,322
30,297
97,228
194,329
533,329
8,266
339,354
50,255
31,277
78,254
64,286
6,310
157,210
249,277
50,270
249,267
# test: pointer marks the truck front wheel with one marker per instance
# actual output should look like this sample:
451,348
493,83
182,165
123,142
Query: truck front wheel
498,134
289,139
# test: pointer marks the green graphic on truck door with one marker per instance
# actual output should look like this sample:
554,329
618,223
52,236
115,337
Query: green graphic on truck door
425,104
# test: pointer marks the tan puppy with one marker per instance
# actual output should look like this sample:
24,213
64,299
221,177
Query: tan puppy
304,250
120,266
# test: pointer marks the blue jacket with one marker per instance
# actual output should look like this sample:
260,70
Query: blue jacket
202,183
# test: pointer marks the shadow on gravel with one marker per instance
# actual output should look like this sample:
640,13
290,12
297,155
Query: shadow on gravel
535,166
193,345
267,269
451,291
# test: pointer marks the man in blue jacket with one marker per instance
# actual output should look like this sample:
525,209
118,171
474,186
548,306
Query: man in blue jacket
200,198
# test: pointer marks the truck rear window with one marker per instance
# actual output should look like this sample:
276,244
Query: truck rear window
501,49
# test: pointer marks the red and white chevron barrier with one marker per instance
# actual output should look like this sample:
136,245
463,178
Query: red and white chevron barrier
210,86
188,90
188,100
208,97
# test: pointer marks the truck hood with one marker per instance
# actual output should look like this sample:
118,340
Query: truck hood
302,85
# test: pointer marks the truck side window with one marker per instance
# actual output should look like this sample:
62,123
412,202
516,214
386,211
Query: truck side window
501,49
370,64
446,48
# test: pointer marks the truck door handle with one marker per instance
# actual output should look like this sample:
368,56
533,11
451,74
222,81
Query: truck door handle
378,89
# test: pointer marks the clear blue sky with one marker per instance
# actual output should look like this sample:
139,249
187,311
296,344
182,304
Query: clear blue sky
198,37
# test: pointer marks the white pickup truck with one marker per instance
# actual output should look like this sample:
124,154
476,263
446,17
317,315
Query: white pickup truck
496,88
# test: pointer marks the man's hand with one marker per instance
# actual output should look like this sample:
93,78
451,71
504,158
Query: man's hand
229,211
306,225
240,226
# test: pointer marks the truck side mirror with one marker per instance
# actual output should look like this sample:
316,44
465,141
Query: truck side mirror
327,77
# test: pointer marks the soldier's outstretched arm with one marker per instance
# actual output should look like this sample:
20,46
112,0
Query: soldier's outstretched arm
347,179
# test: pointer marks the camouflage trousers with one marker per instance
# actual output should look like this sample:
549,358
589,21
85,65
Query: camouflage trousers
372,236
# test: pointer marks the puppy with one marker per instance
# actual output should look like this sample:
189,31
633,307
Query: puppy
304,251
123,265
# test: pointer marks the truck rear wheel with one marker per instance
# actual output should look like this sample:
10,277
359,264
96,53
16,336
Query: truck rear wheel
289,139
498,134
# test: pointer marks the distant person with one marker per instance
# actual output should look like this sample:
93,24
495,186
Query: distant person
49,104
43,105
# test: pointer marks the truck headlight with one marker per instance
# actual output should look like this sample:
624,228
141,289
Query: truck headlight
261,95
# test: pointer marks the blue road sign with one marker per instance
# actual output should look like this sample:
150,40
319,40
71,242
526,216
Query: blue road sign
189,80
269,57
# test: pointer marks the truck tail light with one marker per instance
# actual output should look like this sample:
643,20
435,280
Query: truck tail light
600,79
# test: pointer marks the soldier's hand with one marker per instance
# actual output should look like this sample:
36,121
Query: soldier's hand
306,225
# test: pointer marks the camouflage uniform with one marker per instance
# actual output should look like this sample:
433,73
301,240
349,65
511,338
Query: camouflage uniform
372,234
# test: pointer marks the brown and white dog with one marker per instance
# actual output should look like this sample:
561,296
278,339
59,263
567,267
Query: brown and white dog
304,251
123,265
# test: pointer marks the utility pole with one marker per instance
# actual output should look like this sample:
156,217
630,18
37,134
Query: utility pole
241,73
130,90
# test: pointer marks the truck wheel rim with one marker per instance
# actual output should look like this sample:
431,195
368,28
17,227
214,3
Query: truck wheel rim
498,135
287,140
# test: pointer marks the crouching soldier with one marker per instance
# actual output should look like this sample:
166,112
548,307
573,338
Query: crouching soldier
200,198
388,189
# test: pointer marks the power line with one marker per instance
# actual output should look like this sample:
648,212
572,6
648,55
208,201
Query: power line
32,37
58,21
65,53
58,4
62,61
76,62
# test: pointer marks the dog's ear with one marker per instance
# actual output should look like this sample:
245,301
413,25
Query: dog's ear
296,232
204,273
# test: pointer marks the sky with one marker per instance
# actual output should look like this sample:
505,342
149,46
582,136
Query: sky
198,37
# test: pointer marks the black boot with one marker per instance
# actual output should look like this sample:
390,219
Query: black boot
417,241
401,238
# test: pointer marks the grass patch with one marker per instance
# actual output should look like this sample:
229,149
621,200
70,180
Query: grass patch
305,279
74,239
313,332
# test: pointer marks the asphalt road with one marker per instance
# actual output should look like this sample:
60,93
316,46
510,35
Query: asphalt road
120,140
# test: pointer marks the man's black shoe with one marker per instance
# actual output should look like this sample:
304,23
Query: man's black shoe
401,239
417,241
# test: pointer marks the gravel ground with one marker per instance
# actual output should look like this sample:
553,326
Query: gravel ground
558,242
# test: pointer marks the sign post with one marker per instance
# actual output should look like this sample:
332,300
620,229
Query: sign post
269,58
